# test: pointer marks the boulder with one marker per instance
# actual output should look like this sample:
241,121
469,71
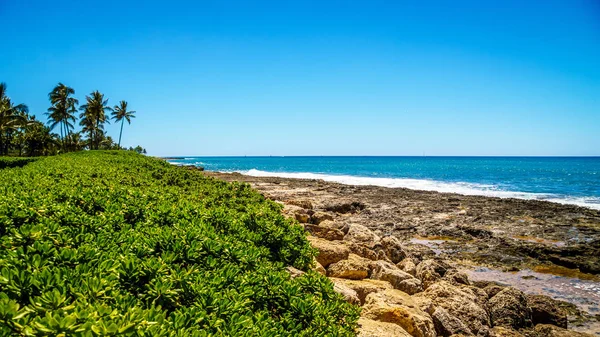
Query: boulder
364,287
509,309
393,249
370,328
302,217
431,271
447,325
319,268
407,265
362,235
459,302
545,310
354,268
303,203
456,277
363,251
319,217
547,330
399,279
500,331
492,289
395,306
326,233
334,225
348,294
329,251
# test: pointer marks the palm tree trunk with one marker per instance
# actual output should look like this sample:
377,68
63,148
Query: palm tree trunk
120,133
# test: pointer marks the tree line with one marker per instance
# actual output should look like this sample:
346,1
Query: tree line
21,134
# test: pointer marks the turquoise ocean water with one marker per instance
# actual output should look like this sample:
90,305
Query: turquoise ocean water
570,180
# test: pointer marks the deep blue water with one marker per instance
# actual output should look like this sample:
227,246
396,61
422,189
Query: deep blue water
573,180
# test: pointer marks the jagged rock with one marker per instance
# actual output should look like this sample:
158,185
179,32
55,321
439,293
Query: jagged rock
545,310
461,303
294,272
500,331
329,251
431,271
399,279
362,235
395,306
302,217
547,330
456,277
447,325
419,252
334,225
304,203
354,268
364,287
319,268
363,251
508,308
346,207
319,217
349,295
493,289
408,266
324,232
393,249
370,328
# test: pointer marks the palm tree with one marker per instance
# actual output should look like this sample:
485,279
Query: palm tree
62,111
12,117
93,117
120,114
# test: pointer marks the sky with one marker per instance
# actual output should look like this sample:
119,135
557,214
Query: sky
320,77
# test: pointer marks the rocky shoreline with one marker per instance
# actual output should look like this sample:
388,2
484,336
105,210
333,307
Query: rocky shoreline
414,259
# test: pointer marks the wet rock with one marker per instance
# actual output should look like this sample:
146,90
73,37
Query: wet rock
431,271
408,266
508,308
364,287
545,310
393,249
326,233
547,330
461,303
329,251
500,331
447,325
348,294
370,328
397,307
399,279
361,235
354,268
319,217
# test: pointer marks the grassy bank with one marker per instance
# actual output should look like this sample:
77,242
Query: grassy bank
107,243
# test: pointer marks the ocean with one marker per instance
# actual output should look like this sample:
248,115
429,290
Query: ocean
567,180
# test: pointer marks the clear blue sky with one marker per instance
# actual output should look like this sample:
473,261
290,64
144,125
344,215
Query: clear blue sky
321,77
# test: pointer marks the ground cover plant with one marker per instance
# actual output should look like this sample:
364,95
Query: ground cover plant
115,243
8,162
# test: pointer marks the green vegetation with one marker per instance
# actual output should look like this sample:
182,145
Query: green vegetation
22,135
114,243
8,162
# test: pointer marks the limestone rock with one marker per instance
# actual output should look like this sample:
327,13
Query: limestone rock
500,331
547,330
364,287
508,308
334,225
447,325
408,266
361,234
493,289
363,251
393,249
370,328
303,203
302,217
354,268
324,232
399,279
431,271
349,295
329,251
319,268
397,307
294,272
545,310
461,303
456,277
319,217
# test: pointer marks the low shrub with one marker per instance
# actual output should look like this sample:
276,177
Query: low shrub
115,243
8,162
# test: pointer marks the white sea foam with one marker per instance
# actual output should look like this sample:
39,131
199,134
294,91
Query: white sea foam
433,185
